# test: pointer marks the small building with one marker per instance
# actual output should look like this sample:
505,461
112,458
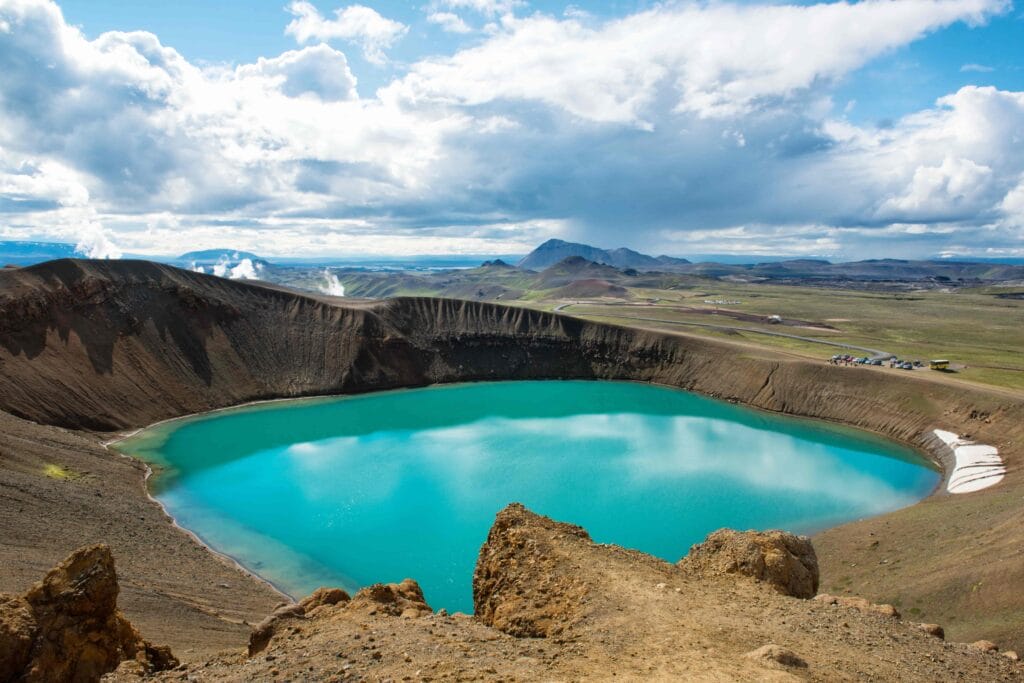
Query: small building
939,364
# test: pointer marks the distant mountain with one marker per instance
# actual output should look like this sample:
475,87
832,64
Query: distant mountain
554,251
27,253
496,263
573,268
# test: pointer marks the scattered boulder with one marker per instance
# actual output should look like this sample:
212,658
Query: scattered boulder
522,585
396,599
863,605
67,627
322,597
775,657
784,561
985,646
1011,655
933,630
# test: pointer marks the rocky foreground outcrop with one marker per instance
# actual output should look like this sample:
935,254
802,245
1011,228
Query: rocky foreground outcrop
784,561
68,628
554,605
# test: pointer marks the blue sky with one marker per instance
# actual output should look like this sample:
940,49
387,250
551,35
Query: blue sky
841,130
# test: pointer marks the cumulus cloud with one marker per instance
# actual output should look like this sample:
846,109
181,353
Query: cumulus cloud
716,60
954,186
29,180
680,128
318,70
448,21
358,24
954,162
1013,204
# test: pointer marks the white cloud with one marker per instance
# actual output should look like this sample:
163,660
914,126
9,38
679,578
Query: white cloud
976,68
1013,204
954,162
450,22
356,23
26,179
319,70
954,185
571,127
717,60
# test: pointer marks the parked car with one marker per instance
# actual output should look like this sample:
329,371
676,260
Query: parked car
906,365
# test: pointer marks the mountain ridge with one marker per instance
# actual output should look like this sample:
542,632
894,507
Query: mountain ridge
555,250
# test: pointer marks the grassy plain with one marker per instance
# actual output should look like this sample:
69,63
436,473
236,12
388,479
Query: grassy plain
981,334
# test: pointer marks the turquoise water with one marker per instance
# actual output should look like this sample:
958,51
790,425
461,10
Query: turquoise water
355,490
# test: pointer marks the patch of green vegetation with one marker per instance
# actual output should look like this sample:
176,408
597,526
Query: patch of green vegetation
60,472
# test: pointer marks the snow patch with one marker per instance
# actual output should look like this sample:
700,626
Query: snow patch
977,466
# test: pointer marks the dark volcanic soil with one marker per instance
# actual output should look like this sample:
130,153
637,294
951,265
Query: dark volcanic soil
113,346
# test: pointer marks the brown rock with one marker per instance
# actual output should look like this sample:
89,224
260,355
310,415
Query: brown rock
884,609
866,606
395,599
17,631
1011,655
292,610
933,630
521,585
71,625
985,646
324,596
776,657
826,598
262,632
783,561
